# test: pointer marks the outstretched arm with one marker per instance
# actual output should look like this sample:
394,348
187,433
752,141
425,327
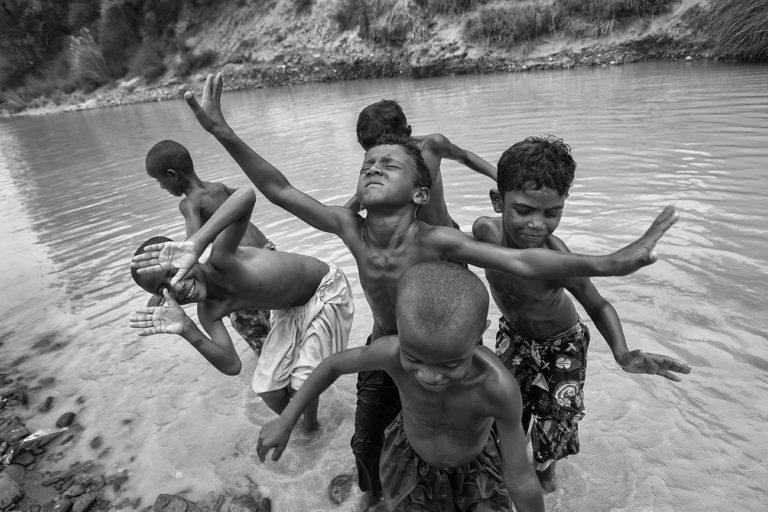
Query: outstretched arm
270,181
276,433
547,264
444,148
169,318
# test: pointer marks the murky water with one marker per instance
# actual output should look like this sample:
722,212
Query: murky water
76,201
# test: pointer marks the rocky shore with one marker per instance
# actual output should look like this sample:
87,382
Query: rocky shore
27,484
445,60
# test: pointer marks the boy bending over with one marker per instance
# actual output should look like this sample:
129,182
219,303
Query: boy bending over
541,338
393,184
171,165
312,301
458,443
386,117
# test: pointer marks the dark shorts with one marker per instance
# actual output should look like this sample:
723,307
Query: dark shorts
378,403
253,324
410,484
550,373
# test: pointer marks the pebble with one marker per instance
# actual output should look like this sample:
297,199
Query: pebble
24,458
10,492
65,419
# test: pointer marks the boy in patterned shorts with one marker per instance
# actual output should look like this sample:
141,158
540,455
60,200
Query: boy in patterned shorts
541,338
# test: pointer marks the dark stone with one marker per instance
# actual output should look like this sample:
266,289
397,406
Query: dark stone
83,502
96,442
16,472
248,504
173,503
65,419
59,504
74,490
46,382
13,432
24,458
47,405
10,492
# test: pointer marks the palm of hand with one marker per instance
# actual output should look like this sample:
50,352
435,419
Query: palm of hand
638,362
180,255
168,319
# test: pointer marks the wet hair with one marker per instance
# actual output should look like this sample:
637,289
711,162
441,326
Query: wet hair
169,154
151,281
423,178
536,162
380,118
439,297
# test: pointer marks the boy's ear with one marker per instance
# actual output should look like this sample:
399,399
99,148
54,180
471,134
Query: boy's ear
172,173
408,131
421,196
496,200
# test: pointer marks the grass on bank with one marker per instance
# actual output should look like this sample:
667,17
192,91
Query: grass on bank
740,28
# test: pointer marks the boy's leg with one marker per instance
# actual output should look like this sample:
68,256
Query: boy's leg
278,399
310,413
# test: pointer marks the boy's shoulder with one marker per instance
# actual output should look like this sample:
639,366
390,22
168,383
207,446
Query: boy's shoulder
488,229
497,380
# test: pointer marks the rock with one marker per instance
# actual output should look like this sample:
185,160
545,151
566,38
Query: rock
16,473
173,503
59,504
248,504
10,492
96,442
24,458
74,490
82,503
65,419
13,432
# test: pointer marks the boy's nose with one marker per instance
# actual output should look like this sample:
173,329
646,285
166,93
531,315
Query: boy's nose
373,170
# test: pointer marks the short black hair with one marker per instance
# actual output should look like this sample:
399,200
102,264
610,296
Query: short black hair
169,154
534,163
380,118
438,296
423,177
150,281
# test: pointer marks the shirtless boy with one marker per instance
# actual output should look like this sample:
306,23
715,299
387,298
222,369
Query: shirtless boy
458,443
394,183
541,338
386,117
312,301
171,165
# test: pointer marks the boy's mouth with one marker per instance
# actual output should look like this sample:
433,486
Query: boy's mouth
372,183
191,291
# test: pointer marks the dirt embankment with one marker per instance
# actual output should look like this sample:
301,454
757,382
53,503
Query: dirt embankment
288,42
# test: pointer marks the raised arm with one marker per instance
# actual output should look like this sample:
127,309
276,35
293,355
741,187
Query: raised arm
169,318
276,433
270,181
547,264
444,148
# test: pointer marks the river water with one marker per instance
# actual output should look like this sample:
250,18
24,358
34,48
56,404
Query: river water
76,201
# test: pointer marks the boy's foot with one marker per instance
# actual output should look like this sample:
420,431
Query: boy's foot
340,487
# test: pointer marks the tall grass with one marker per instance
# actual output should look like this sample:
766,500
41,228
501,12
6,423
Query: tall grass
507,25
604,10
87,64
383,21
740,28
449,6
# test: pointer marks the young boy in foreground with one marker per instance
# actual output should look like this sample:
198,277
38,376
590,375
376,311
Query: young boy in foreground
312,301
458,443
170,164
386,117
394,184
541,338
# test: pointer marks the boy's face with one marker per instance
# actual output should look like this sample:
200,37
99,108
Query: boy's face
528,216
170,181
193,288
437,362
387,178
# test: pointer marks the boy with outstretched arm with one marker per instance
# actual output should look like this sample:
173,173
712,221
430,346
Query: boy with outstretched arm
541,338
386,117
393,184
312,301
170,164
458,444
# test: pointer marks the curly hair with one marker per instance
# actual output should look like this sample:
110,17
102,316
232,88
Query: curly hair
378,119
537,162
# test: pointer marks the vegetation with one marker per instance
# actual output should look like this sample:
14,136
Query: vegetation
741,28
507,25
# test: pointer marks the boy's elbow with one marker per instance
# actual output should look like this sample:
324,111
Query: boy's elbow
231,369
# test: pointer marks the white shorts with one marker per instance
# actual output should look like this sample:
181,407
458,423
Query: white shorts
301,337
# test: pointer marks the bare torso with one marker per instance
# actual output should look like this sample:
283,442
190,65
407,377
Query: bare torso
537,308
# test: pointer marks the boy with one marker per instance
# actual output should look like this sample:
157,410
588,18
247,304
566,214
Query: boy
541,338
394,183
171,165
312,301
458,443
386,117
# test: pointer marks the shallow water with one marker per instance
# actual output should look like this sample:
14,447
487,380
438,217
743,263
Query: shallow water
75,203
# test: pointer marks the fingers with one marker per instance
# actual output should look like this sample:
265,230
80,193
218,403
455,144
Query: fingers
260,451
276,453
191,101
169,298
668,363
148,332
670,376
218,85
208,88
665,220
178,276
146,256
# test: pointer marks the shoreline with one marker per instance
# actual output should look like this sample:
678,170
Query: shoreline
454,61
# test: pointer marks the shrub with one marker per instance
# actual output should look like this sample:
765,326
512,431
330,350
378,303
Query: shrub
87,64
349,14
302,5
190,61
119,33
604,10
740,28
392,28
508,25
449,6
148,60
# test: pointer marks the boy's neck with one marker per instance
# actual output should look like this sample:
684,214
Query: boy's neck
383,227
193,183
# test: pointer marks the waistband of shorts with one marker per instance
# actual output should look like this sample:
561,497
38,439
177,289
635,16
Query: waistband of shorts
576,328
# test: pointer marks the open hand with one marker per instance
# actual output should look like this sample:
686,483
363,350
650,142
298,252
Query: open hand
168,318
180,256
209,113
638,361
274,434
641,252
